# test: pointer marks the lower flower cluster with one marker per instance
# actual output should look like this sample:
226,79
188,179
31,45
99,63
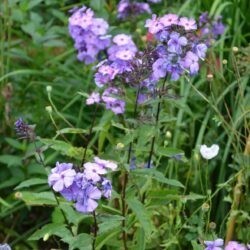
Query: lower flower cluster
83,188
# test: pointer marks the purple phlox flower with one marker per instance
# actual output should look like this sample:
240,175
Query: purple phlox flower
176,42
125,8
203,19
132,164
24,130
214,245
234,245
218,27
142,98
188,24
5,246
154,25
86,200
110,99
122,39
106,188
93,171
159,68
116,106
191,62
62,176
124,54
105,74
169,19
109,94
105,163
82,17
200,50
93,98
154,1
89,34
99,26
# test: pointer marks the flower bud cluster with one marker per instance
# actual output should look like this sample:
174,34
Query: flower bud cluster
128,8
83,188
89,34
210,28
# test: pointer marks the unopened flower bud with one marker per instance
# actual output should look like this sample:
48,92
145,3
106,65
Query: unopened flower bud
212,225
168,134
18,195
235,49
48,88
119,145
224,61
205,207
210,76
48,109
46,237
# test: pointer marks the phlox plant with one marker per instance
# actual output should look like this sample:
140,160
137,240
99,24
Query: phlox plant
124,175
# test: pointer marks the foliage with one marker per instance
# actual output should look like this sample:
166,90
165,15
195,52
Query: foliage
182,199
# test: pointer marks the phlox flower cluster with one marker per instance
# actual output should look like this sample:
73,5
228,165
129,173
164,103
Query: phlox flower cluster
83,188
89,34
218,244
120,56
210,28
128,8
179,49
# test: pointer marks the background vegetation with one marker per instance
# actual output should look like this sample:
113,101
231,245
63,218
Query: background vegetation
36,51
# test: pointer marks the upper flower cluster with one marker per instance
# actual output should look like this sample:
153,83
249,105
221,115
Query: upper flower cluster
84,188
89,34
127,8
120,56
179,49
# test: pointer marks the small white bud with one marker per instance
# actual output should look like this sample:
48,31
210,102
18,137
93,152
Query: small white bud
48,88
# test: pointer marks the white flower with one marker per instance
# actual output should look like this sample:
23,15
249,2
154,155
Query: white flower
209,152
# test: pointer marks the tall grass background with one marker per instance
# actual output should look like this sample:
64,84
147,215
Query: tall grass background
36,52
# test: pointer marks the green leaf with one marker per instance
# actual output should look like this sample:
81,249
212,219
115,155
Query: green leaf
72,131
81,242
14,143
104,238
169,152
142,215
38,199
65,148
109,223
31,182
155,174
72,215
46,231
11,160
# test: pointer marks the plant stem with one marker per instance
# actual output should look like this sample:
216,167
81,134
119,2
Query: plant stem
89,135
125,179
95,228
237,194
156,120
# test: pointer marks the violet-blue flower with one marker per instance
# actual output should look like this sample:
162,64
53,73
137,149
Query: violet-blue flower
86,200
214,245
106,188
62,176
93,171
234,245
176,42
